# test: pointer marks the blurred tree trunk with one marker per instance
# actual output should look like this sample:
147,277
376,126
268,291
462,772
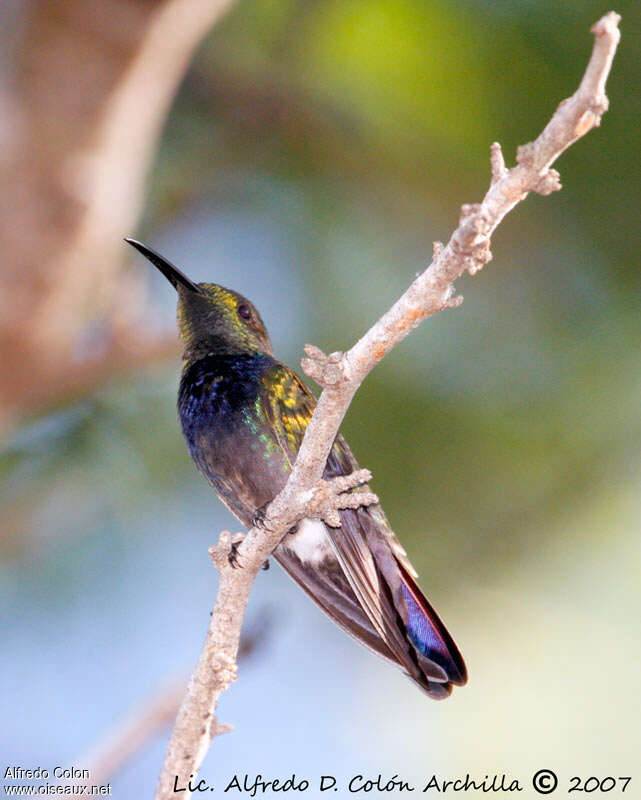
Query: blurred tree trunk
84,105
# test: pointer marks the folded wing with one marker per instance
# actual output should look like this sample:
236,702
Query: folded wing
359,573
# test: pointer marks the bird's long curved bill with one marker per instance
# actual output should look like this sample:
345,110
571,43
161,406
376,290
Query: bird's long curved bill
172,273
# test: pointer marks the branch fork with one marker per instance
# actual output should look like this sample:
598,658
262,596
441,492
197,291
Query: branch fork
327,370
328,497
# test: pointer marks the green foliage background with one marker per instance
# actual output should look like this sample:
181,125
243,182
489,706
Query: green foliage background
505,436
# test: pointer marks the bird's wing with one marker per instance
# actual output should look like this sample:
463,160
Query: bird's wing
288,407
374,564
326,585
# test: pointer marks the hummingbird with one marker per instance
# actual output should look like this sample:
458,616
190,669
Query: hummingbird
243,415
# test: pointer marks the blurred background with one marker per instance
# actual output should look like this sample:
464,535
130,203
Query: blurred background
306,154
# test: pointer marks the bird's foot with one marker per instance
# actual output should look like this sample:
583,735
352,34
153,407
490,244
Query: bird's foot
232,556
333,494
258,520
225,553
265,565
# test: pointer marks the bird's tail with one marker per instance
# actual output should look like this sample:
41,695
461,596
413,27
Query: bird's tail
432,642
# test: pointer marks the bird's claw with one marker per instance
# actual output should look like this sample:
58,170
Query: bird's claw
258,520
232,556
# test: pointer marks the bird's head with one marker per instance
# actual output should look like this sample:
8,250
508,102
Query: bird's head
211,319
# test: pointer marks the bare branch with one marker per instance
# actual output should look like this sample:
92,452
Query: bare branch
196,723
497,162
340,375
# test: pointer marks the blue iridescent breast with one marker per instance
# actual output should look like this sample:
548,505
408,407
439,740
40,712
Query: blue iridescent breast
216,390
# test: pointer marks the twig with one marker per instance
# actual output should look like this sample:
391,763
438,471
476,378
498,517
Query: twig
340,375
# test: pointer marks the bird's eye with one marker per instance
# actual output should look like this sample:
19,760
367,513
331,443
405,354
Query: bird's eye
244,311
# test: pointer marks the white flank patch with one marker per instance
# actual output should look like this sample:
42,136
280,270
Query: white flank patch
310,542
